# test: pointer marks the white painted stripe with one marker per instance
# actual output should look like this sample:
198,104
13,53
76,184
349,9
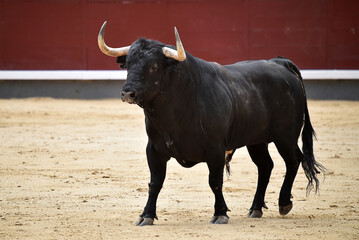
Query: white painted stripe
330,74
64,75
122,74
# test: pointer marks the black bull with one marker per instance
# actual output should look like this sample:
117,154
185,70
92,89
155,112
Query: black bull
198,111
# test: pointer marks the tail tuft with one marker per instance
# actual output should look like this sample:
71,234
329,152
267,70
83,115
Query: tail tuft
310,165
228,159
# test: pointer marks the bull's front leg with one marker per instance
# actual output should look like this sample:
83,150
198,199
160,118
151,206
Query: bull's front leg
157,165
216,164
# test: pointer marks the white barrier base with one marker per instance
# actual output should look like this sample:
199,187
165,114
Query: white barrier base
122,74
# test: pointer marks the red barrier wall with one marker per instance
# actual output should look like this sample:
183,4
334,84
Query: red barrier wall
62,34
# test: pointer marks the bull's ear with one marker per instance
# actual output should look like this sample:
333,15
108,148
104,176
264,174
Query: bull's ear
169,62
122,61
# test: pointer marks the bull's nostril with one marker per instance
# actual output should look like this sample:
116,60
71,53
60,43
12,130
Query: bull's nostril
129,96
133,95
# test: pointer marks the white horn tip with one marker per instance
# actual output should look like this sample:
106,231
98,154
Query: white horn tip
104,24
176,33
102,30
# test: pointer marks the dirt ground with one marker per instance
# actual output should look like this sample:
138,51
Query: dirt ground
76,169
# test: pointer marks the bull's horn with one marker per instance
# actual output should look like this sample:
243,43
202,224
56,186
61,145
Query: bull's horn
180,54
112,52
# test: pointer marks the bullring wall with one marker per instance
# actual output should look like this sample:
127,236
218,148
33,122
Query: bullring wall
62,34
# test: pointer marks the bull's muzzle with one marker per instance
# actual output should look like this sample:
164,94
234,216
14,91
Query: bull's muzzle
128,97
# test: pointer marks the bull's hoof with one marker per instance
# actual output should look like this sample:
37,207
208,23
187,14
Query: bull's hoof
144,221
255,214
284,210
219,219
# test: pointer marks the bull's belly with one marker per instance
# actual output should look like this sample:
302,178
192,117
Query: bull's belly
239,140
187,163
187,154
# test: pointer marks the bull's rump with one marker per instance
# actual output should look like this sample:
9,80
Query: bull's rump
268,101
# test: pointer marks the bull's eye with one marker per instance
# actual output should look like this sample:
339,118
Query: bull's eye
154,68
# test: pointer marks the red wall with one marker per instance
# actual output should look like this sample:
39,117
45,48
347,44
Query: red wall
62,34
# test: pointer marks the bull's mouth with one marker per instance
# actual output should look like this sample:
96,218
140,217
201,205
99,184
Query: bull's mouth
134,97
132,100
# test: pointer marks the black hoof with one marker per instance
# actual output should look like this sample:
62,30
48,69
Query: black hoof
255,214
144,221
284,210
219,219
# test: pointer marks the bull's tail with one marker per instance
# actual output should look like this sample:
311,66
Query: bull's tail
228,158
310,165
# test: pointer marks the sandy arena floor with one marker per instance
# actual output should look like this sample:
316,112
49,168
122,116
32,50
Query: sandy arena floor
75,169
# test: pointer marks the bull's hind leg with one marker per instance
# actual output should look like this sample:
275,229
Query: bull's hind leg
289,152
260,156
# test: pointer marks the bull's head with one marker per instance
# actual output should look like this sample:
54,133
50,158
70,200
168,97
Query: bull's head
146,62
